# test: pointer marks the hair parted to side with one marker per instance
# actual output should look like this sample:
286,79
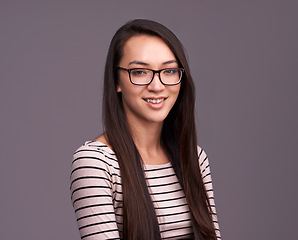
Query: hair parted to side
178,139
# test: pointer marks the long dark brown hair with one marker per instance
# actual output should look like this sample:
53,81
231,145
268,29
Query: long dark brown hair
178,139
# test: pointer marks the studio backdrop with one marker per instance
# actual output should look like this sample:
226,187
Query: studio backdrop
243,59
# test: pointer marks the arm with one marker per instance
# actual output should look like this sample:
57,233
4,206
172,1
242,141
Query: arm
92,194
206,176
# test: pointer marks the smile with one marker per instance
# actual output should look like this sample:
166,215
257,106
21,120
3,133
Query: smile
151,100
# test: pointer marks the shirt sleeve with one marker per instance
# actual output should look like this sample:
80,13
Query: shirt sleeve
92,194
207,180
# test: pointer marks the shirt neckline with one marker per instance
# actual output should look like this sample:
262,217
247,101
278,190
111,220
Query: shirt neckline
147,166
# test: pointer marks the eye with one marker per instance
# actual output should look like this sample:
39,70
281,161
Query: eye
171,71
139,72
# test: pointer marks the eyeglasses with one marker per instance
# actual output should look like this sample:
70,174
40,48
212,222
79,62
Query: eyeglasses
144,76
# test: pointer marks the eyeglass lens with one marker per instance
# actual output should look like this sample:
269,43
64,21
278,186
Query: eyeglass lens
144,76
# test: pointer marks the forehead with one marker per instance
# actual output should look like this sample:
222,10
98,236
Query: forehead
147,49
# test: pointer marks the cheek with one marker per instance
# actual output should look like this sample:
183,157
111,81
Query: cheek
129,91
175,95
176,91
121,82
120,85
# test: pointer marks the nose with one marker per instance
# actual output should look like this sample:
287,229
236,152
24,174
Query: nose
156,85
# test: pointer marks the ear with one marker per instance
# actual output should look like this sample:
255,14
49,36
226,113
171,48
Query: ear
119,88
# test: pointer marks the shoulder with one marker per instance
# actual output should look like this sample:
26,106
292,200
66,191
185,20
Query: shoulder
203,162
203,158
94,146
96,154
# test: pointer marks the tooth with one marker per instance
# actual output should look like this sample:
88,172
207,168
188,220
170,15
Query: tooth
155,100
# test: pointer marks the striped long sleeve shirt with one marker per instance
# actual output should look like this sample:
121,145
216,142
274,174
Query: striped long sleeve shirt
96,194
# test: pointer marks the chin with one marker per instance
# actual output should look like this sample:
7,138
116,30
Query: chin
158,119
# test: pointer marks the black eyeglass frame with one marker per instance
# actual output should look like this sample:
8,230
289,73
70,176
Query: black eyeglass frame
154,71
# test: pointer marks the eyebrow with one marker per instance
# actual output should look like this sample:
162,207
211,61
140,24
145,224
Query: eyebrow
138,62
170,61
146,64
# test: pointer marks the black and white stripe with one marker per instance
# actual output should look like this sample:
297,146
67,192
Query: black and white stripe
96,194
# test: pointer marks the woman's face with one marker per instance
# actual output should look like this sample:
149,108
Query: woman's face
150,103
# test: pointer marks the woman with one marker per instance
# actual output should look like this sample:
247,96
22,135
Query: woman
145,177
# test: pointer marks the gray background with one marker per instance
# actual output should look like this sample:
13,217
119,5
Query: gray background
243,57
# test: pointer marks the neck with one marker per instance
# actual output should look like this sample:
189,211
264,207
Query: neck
147,137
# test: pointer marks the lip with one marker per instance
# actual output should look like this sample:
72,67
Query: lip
155,105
